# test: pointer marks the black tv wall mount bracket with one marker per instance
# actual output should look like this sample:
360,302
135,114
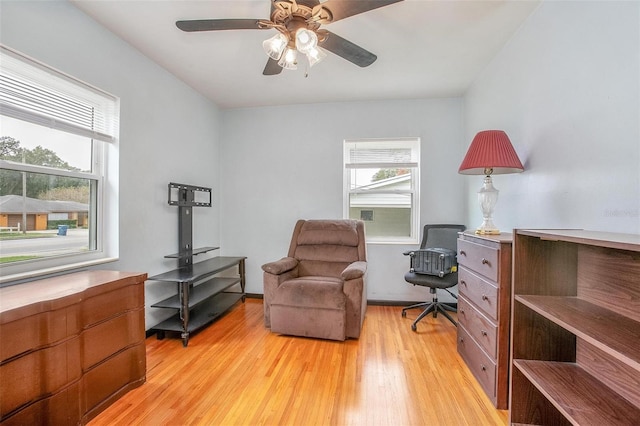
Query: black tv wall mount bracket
186,197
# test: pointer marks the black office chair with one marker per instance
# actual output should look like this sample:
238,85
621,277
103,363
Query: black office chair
433,236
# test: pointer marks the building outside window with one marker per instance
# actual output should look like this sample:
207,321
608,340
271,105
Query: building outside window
381,178
56,134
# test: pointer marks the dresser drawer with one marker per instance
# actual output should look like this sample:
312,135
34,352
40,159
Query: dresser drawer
478,291
112,336
482,367
39,374
479,258
481,328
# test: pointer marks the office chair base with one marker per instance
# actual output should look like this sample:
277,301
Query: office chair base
433,306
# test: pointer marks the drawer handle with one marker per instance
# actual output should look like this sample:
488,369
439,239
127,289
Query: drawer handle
484,297
485,262
463,253
461,311
484,333
463,282
462,340
483,367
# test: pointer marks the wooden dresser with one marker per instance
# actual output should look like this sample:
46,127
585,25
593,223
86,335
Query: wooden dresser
70,346
576,328
484,310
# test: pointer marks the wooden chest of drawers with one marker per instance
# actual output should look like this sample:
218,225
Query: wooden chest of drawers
70,346
484,311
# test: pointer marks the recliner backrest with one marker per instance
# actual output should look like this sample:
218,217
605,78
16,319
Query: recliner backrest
326,247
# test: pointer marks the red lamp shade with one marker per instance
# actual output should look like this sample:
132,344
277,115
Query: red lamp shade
491,152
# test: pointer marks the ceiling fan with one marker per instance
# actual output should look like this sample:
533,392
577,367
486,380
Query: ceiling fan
298,24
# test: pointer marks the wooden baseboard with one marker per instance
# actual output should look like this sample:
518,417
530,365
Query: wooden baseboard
255,296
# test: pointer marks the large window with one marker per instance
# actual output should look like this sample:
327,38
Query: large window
55,136
381,179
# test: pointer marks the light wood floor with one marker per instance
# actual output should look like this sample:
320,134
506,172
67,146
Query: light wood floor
235,372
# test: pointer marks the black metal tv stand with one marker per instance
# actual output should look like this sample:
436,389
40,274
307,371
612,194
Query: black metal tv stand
204,289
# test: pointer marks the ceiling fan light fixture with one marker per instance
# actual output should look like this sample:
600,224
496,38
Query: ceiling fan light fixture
275,45
298,25
306,40
315,55
288,60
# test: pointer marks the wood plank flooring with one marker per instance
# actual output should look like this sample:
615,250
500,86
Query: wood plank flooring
235,372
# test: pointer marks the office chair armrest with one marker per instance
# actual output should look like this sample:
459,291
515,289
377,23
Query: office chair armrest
354,270
409,253
280,266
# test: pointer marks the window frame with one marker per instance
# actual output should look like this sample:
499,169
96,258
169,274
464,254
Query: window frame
414,192
104,173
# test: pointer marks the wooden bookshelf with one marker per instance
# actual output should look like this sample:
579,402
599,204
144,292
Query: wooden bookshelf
575,337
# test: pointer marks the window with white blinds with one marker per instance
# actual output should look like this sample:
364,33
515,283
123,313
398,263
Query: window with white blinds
33,92
381,179
55,135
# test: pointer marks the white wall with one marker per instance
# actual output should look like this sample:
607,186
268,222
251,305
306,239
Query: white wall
281,164
566,89
168,132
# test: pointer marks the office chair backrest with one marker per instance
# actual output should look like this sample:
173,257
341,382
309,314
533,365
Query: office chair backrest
443,236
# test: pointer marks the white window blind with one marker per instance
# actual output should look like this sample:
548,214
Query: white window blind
371,153
33,92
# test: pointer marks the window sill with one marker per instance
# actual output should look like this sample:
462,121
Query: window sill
19,278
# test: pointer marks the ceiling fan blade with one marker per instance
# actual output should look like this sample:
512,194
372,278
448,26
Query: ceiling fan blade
272,67
341,9
309,3
349,51
218,24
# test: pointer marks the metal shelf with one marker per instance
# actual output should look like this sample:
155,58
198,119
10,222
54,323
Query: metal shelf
198,271
202,315
199,293
200,297
193,252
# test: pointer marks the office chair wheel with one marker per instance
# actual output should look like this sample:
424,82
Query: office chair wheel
404,314
414,327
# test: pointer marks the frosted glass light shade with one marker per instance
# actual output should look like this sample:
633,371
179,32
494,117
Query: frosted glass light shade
306,40
275,45
315,55
288,60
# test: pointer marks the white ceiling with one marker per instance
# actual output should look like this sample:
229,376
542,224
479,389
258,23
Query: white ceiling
425,48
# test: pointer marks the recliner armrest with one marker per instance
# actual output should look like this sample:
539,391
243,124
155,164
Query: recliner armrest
280,266
354,270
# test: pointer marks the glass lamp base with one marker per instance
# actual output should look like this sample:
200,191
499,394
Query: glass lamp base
482,231
488,197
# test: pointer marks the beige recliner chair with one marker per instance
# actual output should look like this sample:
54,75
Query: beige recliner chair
319,289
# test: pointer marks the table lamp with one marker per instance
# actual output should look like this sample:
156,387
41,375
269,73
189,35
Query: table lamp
490,153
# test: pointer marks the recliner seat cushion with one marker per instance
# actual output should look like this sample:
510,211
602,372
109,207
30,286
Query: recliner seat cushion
311,292
310,306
